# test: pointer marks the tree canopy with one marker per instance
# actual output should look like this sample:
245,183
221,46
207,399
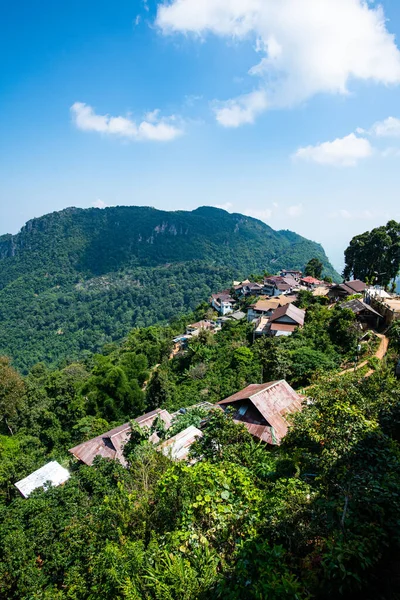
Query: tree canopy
374,256
314,268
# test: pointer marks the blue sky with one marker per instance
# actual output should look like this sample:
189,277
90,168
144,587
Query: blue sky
285,111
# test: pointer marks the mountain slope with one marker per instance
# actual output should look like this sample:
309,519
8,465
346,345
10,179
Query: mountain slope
73,280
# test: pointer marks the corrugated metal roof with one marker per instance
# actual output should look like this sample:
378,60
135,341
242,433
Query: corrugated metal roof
262,432
356,285
358,306
53,472
311,280
273,400
282,327
177,447
111,443
291,311
247,392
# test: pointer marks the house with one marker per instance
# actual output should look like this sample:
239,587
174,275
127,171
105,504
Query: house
347,288
178,446
321,290
285,319
223,302
365,314
310,282
297,275
266,306
261,326
387,307
276,285
111,444
195,328
179,343
52,473
248,288
263,409
238,315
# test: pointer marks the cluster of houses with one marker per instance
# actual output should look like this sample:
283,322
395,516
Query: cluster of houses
264,409
274,313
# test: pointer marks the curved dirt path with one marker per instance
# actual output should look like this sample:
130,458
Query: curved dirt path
380,353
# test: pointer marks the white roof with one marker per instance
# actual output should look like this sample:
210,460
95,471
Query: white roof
378,293
177,447
52,472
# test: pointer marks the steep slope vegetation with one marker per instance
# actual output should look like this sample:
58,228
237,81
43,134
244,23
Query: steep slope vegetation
74,280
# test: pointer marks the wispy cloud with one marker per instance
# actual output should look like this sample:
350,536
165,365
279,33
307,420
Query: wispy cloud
242,110
342,152
154,128
307,47
99,204
225,206
295,210
390,127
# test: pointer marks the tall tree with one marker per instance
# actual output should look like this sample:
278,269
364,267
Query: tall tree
374,256
314,268
12,391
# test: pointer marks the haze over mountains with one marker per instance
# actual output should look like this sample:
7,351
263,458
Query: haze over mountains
74,280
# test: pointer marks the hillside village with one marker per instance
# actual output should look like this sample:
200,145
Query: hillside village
246,448
272,308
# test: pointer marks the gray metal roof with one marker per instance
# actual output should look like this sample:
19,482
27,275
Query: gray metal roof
177,447
53,472
358,306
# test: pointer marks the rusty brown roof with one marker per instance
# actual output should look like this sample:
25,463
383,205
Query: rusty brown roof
262,432
111,443
273,400
247,392
282,327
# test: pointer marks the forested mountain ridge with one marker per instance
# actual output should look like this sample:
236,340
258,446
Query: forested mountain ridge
73,280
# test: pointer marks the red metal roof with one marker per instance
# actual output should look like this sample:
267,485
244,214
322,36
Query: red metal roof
311,280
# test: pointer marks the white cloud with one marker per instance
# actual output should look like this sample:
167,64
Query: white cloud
390,127
137,20
308,46
191,99
226,206
154,128
99,204
295,210
241,110
342,152
263,214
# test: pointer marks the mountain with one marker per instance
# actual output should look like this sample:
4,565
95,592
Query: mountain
73,280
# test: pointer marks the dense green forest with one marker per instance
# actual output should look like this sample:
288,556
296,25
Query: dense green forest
317,517
75,280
